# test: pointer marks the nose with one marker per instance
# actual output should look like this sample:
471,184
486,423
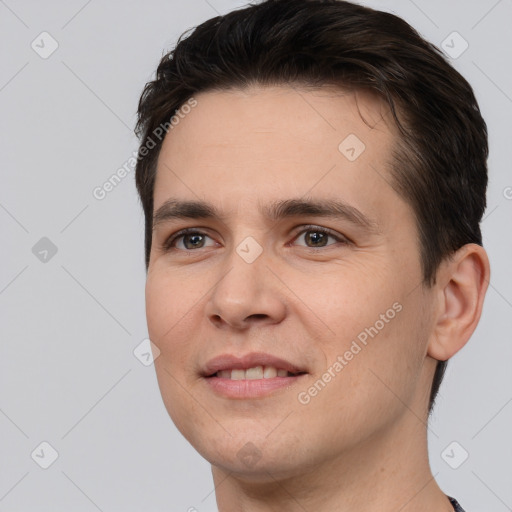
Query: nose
246,294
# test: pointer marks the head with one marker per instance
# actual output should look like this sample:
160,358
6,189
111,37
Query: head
316,101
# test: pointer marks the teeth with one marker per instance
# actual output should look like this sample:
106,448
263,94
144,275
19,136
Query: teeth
254,373
257,372
237,374
270,372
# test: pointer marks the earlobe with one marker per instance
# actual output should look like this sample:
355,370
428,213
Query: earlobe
462,284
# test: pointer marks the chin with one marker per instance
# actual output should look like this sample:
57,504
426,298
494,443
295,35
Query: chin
250,456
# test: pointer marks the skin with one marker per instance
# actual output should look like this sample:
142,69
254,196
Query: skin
361,442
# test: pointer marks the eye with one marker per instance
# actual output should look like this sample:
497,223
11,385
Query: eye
318,237
190,239
186,240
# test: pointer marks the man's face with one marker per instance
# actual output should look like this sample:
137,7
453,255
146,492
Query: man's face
344,311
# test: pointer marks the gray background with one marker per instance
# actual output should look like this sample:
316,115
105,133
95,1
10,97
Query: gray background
70,322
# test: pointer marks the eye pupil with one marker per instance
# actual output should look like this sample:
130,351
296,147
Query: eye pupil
195,237
316,237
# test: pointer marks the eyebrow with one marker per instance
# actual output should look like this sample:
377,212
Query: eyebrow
274,211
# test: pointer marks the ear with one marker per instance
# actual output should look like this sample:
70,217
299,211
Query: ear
461,282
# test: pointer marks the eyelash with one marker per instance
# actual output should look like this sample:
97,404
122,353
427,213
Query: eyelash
168,244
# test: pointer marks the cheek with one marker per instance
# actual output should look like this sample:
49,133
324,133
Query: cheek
372,322
169,311
169,308
348,297
381,359
169,293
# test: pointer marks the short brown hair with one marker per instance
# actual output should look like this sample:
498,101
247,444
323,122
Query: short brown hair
440,162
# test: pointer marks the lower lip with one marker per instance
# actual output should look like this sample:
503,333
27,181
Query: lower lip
254,388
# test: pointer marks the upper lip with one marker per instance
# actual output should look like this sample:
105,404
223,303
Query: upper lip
232,362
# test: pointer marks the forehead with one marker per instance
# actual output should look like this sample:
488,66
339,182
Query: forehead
277,142
317,116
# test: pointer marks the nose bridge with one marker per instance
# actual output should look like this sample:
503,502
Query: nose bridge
244,279
247,288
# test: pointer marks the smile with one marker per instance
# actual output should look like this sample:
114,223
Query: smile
254,373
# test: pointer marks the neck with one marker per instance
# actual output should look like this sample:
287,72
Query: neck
388,472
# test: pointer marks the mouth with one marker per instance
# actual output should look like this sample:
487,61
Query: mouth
250,376
254,373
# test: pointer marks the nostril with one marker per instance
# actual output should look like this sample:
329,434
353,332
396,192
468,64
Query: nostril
257,316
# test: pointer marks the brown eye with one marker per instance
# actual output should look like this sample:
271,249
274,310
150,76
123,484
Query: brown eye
187,240
316,237
193,241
